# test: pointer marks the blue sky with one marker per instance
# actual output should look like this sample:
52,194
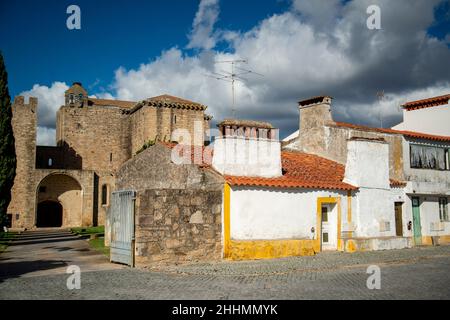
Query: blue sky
38,47
136,49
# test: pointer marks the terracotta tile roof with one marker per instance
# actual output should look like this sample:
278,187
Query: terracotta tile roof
168,101
301,170
111,103
427,103
396,183
411,134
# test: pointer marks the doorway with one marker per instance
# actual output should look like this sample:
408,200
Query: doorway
417,227
49,214
398,219
328,227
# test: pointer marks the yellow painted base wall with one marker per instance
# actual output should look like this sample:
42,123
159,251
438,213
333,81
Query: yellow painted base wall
269,249
428,241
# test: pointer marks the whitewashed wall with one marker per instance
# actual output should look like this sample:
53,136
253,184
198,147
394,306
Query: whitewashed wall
258,213
373,208
434,120
429,213
239,156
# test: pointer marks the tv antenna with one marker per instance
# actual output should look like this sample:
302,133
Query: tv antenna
380,95
232,77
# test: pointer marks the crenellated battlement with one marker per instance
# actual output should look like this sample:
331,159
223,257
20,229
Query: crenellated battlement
19,101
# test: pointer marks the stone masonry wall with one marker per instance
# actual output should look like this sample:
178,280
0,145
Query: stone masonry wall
177,209
178,225
151,123
99,135
24,123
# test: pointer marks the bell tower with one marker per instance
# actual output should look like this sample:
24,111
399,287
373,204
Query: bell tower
76,96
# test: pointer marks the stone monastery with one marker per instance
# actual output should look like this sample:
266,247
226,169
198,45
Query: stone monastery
246,195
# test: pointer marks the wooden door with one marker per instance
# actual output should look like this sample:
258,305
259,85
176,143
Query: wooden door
398,219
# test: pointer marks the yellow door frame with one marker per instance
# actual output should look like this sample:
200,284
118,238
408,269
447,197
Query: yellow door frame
320,202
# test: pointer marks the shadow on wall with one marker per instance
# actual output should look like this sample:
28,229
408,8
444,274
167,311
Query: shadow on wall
61,157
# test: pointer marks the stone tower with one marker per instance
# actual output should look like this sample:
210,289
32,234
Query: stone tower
24,126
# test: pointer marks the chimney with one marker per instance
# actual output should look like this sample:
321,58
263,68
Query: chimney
367,163
247,148
314,112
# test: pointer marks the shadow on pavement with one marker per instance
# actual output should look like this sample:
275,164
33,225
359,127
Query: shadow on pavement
16,269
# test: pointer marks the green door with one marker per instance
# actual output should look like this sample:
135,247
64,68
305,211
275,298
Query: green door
416,221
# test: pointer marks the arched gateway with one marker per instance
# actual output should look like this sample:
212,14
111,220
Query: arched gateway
59,202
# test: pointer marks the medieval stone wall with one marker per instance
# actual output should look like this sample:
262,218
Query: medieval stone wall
99,135
152,123
24,123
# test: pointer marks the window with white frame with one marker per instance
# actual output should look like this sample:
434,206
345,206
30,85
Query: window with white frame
443,209
429,157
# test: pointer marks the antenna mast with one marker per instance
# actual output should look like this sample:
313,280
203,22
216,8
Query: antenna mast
231,77
380,96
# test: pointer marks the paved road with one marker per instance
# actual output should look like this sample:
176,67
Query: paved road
419,273
49,252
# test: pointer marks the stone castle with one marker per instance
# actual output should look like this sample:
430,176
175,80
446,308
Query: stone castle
70,184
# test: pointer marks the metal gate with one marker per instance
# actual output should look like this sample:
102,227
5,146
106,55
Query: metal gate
122,227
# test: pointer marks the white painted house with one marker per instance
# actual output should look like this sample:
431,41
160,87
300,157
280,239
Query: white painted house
430,116
426,155
278,204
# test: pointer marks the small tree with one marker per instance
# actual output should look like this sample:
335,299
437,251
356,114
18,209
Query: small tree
7,148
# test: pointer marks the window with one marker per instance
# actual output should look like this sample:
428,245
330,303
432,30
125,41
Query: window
50,162
110,157
104,195
324,214
71,98
174,119
443,209
424,157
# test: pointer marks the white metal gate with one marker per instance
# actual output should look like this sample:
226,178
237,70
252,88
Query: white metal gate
122,227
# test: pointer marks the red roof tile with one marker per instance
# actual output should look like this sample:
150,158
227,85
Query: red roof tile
411,134
301,170
111,103
427,103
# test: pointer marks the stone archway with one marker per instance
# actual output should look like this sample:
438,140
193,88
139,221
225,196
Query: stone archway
49,214
59,201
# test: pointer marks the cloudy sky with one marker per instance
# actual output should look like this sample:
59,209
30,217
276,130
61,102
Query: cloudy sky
131,50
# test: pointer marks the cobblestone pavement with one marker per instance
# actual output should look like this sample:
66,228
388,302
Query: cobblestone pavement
418,273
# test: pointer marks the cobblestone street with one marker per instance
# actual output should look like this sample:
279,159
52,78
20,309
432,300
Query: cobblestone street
418,273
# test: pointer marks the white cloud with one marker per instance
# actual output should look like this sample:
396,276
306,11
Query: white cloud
315,47
202,34
49,101
46,136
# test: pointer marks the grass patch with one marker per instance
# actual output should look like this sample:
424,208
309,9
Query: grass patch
5,238
89,230
99,245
